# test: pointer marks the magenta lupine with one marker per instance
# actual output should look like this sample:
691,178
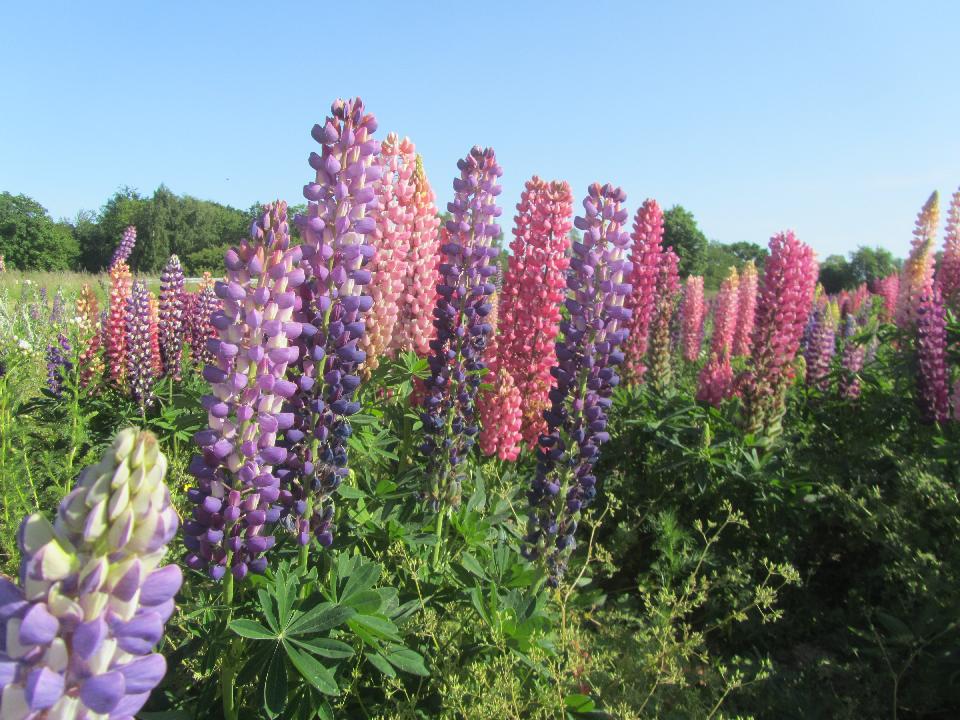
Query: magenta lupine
391,238
660,349
78,633
716,382
588,352
821,344
851,359
139,346
337,231
646,252
692,314
236,491
528,304
916,278
171,317
125,248
888,289
458,352
501,417
746,310
726,315
414,327
933,393
783,306
948,273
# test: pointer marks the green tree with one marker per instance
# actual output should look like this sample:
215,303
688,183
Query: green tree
126,207
835,274
869,264
680,232
31,240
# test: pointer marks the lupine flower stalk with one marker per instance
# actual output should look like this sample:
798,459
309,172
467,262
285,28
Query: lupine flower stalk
501,417
661,340
783,306
338,230
715,382
58,308
821,344
948,274
692,315
125,248
199,308
87,309
139,344
457,358
916,278
115,329
80,629
171,317
588,353
236,491
646,238
413,329
888,289
746,310
59,364
529,301
932,380
391,238
851,360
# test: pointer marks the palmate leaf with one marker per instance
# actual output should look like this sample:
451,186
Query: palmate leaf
324,647
322,617
275,686
366,625
403,658
362,578
252,629
381,664
312,670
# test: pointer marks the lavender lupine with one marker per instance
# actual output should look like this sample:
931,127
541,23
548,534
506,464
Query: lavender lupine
236,491
59,364
337,230
58,308
588,353
171,317
821,344
125,248
138,340
79,631
199,308
462,327
933,392
851,360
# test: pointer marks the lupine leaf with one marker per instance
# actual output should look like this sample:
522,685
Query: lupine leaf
311,670
251,629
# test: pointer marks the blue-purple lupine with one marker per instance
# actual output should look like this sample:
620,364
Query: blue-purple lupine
820,338
588,352
336,231
466,282
236,491
139,345
125,248
78,631
57,310
852,358
59,364
171,317
933,389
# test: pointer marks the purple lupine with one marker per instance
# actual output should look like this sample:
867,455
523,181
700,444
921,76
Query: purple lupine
139,345
57,310
851,360
58,364
125,248
78,633
820,337
171,317
236,491
587,355
933,393
336,230
461,321
199,308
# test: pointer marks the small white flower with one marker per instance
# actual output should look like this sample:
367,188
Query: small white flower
24,345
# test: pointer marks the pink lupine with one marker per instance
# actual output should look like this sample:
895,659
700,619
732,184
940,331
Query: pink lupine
725,314
932,390
948,274
646,252
501,418
391,238
115,329
413,328
746,310
691,315
888,289
715,382
660,350
916,278
528,304
783,307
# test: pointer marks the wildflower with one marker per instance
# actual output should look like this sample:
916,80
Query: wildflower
916,278
647,237
171,317
125,248
692,314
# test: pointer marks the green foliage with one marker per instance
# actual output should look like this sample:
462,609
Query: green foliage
721,257
864,266
31,240
680,231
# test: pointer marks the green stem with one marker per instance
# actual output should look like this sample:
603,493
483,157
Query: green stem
436,548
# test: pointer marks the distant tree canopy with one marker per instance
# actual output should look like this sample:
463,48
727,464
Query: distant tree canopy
864,266
31,240
721,257
680,232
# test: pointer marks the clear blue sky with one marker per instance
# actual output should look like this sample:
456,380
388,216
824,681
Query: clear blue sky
835,119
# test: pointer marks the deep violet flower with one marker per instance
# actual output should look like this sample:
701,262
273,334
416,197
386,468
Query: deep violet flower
171,317
125,248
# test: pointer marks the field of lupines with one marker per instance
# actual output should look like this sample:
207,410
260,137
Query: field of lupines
383,474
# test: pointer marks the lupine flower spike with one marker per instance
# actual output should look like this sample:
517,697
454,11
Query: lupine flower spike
81,628
501,417
125,248
692,314
200,307
661,341
115,329
588,352
715,382
948,274
139,342
932,381
236,492
646,253
916,278
746,310
171,317
821,344
888,289
462,329
59,364
851,361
